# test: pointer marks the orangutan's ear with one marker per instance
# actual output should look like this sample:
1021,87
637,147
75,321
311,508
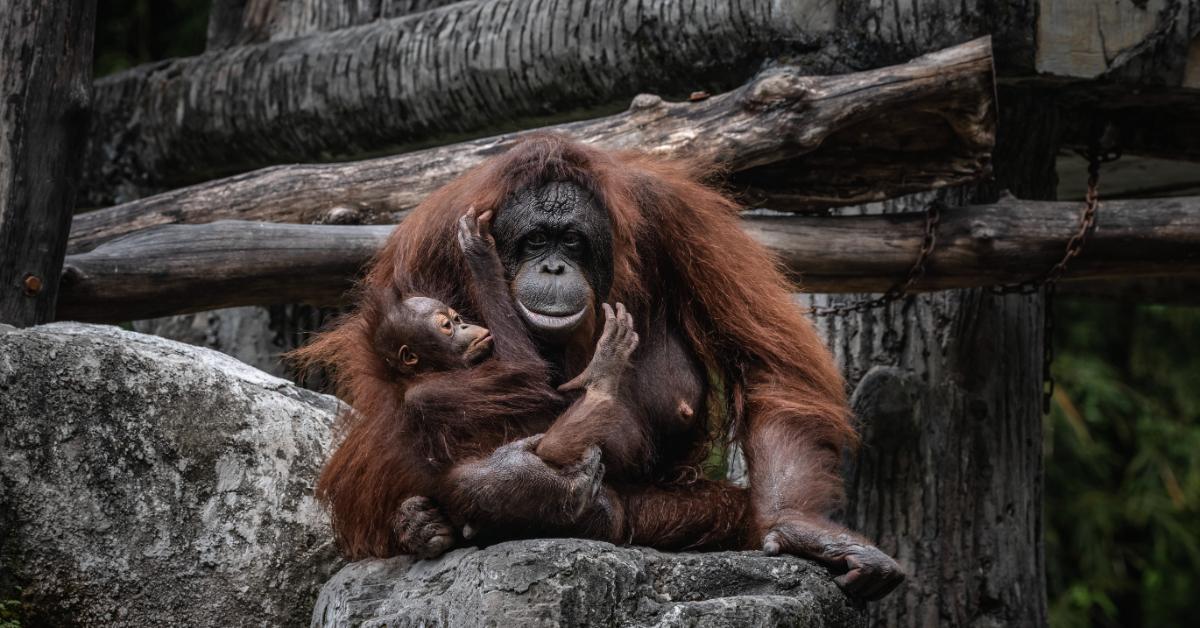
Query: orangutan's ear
407,356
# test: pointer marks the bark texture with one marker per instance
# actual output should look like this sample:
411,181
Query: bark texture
949,474
185,268
177,269
45,89
240,22
838,140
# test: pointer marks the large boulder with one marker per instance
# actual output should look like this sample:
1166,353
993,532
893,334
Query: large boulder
144,482
568,582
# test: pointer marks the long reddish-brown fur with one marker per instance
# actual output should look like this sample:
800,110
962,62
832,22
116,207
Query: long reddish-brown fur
678,247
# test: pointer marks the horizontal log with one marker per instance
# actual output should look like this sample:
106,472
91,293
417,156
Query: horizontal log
483,64
175,269
182,268
462,68
925,124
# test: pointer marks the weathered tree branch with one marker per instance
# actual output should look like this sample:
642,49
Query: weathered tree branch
186,268
182,268
859,137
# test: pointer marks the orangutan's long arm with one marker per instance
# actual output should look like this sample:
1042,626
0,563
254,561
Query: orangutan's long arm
795,482
509,333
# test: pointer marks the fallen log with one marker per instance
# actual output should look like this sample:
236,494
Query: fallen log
845,139
484,64
183,268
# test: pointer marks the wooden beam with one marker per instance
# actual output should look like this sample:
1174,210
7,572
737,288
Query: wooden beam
925,124
182,268
45,88
175,269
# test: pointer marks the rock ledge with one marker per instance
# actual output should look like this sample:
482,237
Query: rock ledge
568,582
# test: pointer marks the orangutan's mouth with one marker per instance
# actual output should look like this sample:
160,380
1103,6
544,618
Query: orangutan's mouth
479,349
551,322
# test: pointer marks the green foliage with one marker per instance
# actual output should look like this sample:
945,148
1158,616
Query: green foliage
1123,466
10,614
130,32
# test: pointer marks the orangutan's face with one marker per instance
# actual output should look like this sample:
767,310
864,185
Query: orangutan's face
556,245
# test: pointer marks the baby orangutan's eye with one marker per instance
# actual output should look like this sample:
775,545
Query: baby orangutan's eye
445,324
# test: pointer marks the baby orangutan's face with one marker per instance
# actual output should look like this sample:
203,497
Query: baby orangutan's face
423,334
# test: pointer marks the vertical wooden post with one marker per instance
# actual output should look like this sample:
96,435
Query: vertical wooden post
948,478
45,92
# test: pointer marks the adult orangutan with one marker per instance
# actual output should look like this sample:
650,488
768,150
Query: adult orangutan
575,227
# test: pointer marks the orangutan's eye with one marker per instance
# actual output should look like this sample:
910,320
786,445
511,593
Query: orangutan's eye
445,324
536,239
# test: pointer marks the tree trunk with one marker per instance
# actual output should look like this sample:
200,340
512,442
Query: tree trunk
240,22
949,475
45,87
924,124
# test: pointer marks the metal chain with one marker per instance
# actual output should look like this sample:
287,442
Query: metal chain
1087,223
933,216
1048,280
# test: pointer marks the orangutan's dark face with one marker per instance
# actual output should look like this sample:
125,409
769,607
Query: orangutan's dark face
556,245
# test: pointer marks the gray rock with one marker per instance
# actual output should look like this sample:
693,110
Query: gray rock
567,582
242,332
148,483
